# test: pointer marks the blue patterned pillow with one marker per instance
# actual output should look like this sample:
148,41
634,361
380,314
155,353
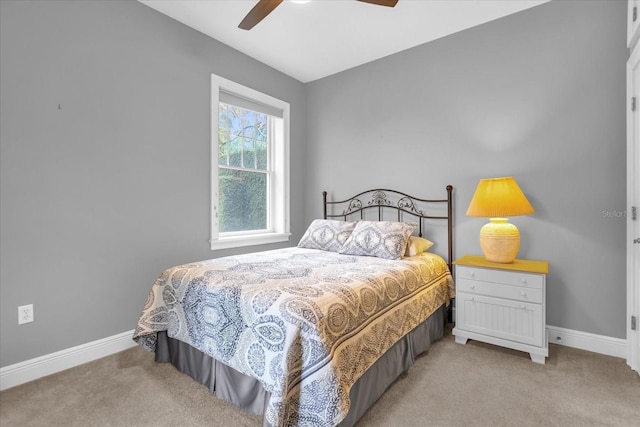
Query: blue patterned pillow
327,234
382,239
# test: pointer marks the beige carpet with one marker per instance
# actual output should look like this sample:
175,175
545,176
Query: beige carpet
452,385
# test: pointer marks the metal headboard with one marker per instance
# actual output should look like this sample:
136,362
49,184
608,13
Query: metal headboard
384,199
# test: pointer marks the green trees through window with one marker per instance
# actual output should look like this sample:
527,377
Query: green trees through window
243,172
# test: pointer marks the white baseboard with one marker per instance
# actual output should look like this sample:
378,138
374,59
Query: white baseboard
29,370
610,346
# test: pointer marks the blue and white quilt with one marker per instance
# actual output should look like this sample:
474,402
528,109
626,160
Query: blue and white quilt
306,323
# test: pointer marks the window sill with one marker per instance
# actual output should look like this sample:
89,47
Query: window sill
256,239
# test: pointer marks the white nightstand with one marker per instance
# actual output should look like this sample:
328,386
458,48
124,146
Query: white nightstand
502,304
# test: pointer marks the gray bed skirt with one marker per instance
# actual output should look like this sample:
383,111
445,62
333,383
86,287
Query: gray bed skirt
248,394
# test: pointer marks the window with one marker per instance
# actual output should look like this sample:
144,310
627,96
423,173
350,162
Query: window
250,166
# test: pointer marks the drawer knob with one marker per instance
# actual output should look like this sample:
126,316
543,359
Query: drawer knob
522,306
523,280
473,286
523,293
471,299
472,274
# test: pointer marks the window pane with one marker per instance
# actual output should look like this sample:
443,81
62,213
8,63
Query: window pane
223,116
249,157
243,200
255,125
235,152
223,147
261,155
233,119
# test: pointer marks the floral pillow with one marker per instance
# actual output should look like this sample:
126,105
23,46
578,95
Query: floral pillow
327,234
382,239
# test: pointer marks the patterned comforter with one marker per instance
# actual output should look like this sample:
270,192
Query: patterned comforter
305,323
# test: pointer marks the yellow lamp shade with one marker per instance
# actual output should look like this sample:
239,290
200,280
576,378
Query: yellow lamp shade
498,198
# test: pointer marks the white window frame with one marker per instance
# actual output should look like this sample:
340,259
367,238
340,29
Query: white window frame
278,204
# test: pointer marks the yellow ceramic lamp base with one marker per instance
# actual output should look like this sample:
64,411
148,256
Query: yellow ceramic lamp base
500,241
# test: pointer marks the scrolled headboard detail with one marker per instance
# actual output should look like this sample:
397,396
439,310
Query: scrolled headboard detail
403,204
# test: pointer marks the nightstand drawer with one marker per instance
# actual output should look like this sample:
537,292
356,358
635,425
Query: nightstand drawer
516,293
509,320
516,278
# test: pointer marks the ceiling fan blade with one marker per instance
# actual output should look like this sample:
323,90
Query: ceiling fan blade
257,14
389,3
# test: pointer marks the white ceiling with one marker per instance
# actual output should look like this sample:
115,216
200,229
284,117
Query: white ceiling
323,37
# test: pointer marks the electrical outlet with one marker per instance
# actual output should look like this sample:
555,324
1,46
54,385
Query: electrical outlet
25,314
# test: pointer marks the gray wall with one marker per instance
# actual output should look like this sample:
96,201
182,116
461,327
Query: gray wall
539,95
101,195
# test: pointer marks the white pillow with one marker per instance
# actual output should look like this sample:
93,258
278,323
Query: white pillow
417,245
327,234
382,239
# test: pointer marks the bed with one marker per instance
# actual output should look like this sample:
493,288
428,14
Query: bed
310,335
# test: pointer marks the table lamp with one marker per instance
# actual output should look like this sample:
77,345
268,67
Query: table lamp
498,198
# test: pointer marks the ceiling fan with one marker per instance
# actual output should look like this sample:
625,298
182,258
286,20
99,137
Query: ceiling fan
265,7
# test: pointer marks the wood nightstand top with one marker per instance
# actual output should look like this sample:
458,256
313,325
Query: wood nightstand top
525,265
